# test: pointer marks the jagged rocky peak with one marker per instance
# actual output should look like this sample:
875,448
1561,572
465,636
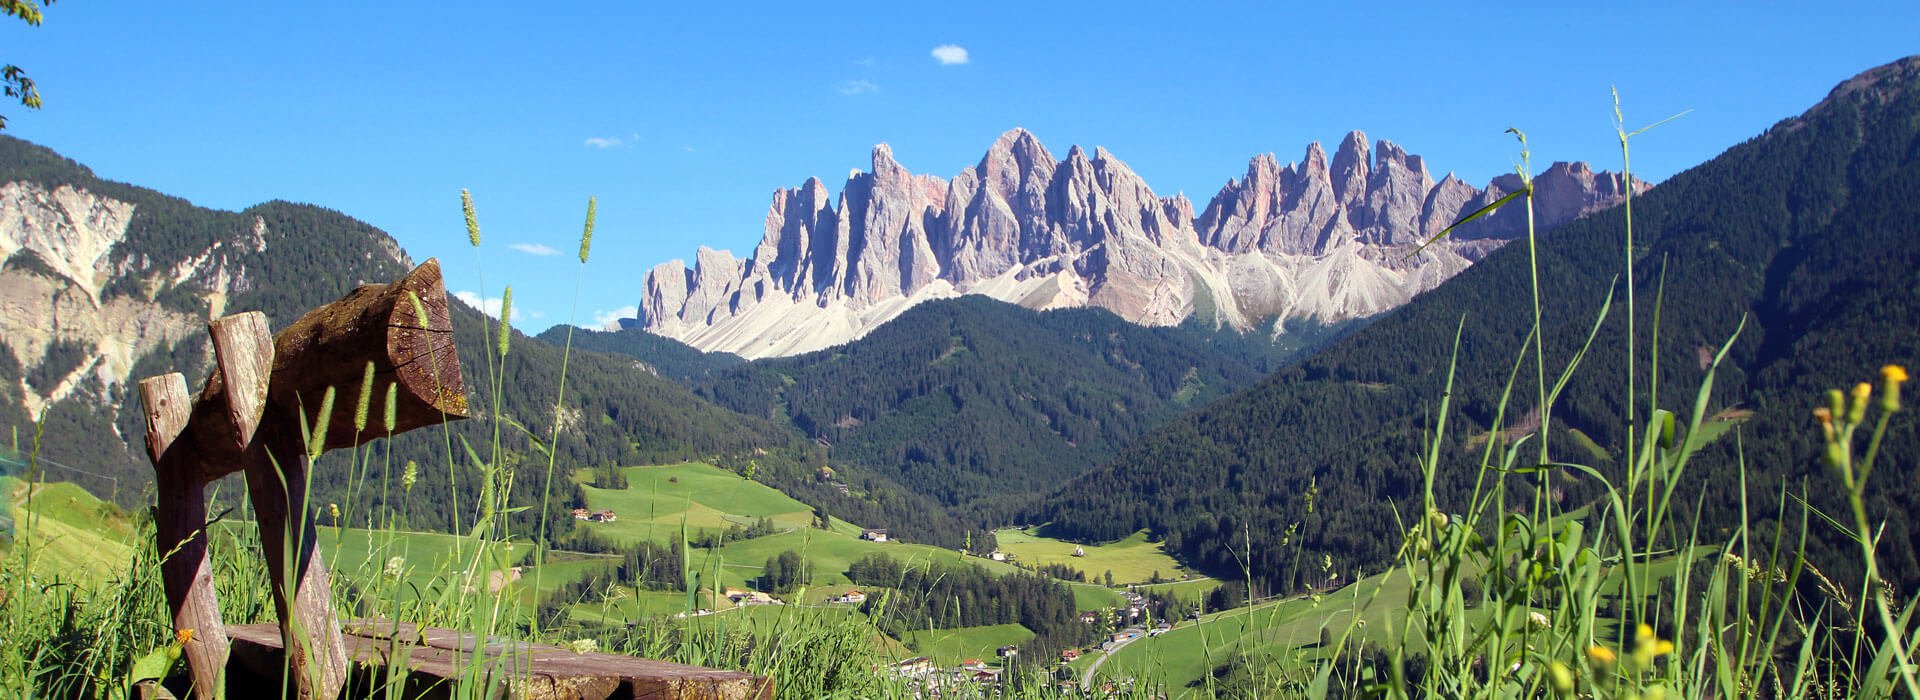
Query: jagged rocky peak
1086,230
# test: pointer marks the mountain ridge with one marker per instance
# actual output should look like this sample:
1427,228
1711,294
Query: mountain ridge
1321,239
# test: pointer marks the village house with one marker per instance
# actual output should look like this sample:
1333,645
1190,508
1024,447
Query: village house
743,597
853,597
874,535
581,513
998,555
1090,617
915,667
1008,651
973,665
1067,655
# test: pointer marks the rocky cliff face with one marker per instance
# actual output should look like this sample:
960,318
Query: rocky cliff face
1313,239
54,266
102,283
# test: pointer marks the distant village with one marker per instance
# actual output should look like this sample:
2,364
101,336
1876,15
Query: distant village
598,516
1129,621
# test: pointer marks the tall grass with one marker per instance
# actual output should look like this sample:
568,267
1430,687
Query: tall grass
1625,601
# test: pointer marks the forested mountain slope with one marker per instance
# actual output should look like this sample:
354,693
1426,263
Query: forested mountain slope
978,403
1810,232
105,283
665,356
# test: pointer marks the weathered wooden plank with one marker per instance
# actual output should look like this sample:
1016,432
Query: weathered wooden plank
434,658
331,345
274,456
180,519
243,349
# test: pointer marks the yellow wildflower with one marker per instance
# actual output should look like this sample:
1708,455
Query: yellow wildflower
1893,376
1601,656
1561,677
1648,646
1857,411
183,637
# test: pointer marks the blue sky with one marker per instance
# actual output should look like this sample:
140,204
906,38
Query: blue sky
682,120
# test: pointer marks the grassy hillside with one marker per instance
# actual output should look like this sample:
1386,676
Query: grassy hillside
70,534
1131,560
955,646
706,497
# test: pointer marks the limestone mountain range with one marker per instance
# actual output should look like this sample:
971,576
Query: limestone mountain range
1321,239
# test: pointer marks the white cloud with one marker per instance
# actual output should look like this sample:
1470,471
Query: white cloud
610,320
489,306
950,54
533,249
855,87
609,142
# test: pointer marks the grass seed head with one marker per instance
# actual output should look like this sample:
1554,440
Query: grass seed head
366,399
506,312
473,222
586,236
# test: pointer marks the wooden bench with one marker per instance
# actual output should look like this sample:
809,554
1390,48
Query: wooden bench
427,661
254,415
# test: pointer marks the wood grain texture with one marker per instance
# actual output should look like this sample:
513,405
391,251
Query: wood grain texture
331,346
430,657
180,518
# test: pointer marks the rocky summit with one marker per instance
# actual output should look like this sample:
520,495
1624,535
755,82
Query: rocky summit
1317,239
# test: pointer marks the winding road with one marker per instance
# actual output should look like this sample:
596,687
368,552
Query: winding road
1086,679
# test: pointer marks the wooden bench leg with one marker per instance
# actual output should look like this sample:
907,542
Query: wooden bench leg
274,455
180,519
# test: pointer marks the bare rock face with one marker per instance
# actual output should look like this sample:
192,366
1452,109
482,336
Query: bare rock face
1327,240
55,262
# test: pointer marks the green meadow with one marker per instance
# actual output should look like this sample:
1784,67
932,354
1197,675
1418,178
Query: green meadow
954,646
1132,560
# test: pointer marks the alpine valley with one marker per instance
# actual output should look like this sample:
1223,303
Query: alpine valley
105,283
1038,409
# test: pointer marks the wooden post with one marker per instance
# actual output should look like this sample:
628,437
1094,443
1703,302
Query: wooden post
180,518
248,418
277,481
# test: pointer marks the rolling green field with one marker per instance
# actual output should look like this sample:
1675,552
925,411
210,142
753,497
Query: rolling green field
1191,590
1089,596
422,556
830,552
658,499
1371,609
1283,627
1132,560
953,646
75,536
